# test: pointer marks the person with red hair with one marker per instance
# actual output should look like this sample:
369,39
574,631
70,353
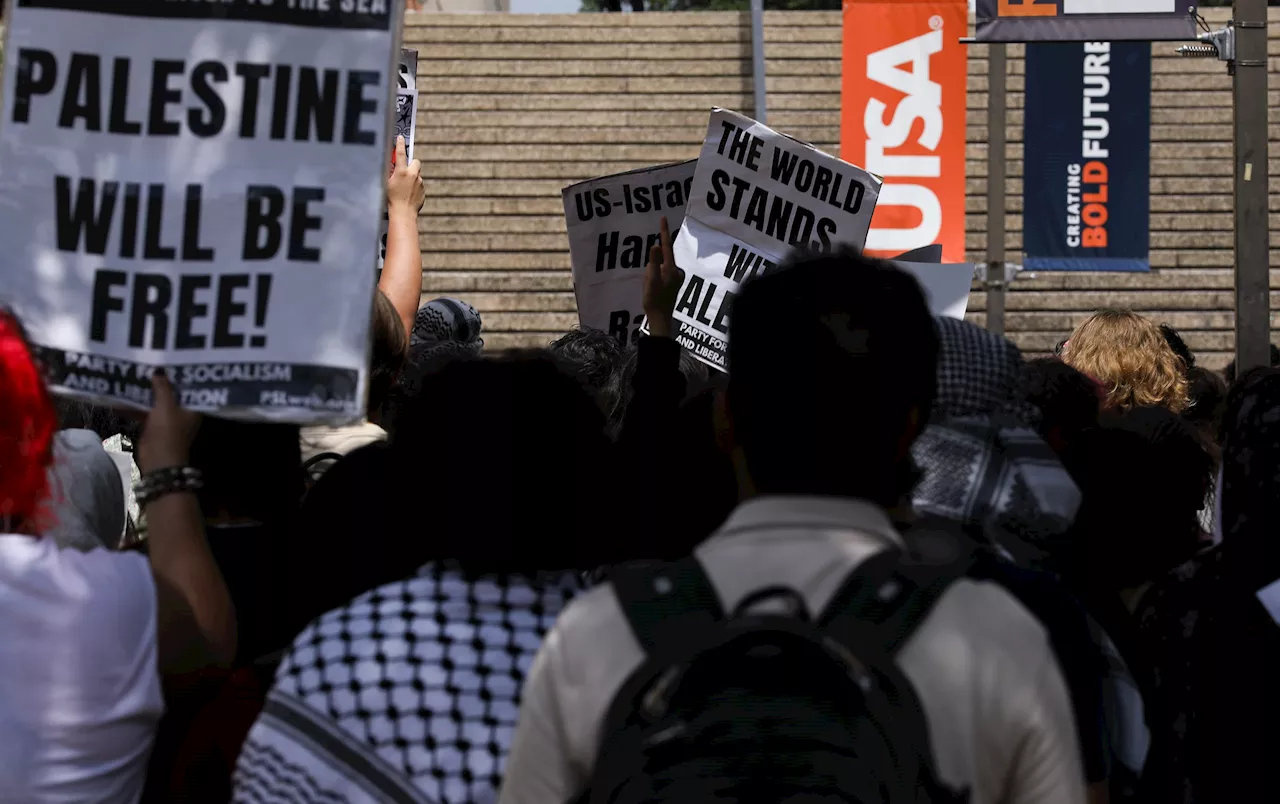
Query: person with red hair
86,636
27,425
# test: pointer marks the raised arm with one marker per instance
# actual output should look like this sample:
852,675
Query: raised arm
197,623
401,280
658,384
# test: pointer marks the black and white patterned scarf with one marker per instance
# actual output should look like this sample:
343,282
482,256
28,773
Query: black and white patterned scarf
446,320
409,693
982,461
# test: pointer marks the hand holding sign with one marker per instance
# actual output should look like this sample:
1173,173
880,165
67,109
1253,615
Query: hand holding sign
662,280
405,189
401,279
169,431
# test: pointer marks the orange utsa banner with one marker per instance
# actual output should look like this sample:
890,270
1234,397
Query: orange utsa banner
903,118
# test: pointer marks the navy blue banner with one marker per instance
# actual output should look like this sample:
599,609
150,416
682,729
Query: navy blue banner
1086,175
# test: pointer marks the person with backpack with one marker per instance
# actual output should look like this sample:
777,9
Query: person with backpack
800,654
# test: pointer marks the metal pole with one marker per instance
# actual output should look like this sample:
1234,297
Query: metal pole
995,186
1253,281
757,60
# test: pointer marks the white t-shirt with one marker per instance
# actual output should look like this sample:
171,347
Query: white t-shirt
80,691
339,440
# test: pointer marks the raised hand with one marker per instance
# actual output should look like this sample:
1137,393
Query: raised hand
169,431
662,281
405,188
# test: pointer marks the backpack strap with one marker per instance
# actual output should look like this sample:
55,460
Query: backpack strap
663,602
320,458
886,597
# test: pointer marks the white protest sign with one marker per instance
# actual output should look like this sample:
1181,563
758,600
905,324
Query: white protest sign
612,223
945,286
758,195
406,125
194,186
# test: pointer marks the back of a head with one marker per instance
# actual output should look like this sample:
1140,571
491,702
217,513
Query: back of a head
1207,392
252,470
618,391
446,320
1178,345
1131,357
1067,399
390,348
426,359
830,360
1143,475
591,355
27,425
508,455
1229,373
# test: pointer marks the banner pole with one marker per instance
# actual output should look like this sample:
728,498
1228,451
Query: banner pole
1252,247
757,61
995,283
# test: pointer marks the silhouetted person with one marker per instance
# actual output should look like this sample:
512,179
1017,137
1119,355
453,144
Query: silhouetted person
833,375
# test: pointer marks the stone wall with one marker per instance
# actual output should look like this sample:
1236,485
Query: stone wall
514,107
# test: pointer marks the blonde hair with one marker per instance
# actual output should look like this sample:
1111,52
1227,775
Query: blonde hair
1130,356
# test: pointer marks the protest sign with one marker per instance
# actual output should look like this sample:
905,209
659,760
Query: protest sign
757,195
407,77
406,125
195,186
612,223
1086,191
904,62
946,285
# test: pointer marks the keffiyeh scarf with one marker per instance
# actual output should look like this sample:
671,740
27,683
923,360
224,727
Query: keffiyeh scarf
408,693
446,320
982,462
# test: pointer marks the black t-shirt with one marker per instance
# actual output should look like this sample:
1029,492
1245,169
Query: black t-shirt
343,543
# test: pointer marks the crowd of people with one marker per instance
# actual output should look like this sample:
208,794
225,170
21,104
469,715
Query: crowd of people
885,559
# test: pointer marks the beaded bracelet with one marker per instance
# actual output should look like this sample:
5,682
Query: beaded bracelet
171,480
